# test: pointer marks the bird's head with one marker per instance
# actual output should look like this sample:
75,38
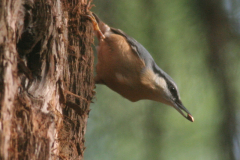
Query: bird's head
165,90
171,96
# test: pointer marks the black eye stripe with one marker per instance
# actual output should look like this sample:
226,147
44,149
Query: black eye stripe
173,90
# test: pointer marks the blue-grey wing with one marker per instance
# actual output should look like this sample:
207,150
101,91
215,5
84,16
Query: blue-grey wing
136,47
142,53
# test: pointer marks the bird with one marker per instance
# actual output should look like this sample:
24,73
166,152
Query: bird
127,68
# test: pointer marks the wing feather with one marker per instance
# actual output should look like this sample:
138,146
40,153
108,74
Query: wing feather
136,47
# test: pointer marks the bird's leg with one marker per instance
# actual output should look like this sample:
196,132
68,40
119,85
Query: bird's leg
95,25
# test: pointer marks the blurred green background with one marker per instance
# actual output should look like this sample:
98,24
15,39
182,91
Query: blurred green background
197,43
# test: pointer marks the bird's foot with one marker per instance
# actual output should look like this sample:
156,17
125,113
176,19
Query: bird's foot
95,25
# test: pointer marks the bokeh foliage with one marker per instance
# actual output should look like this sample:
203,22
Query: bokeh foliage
177,34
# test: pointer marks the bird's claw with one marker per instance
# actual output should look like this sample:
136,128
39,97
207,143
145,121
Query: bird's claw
95,25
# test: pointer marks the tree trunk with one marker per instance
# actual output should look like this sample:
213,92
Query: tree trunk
46,78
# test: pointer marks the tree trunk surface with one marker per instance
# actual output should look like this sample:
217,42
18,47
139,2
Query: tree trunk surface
46,78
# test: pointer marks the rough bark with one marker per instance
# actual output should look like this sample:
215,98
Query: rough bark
46,78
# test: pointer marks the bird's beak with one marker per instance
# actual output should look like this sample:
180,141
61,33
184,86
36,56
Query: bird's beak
180,108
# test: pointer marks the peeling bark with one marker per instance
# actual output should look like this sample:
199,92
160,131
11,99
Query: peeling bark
45,54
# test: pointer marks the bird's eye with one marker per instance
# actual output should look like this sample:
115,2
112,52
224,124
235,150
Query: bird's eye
173,91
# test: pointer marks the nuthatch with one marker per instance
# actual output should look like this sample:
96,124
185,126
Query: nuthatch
126,67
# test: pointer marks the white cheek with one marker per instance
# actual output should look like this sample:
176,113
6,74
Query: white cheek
161,83
163,88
